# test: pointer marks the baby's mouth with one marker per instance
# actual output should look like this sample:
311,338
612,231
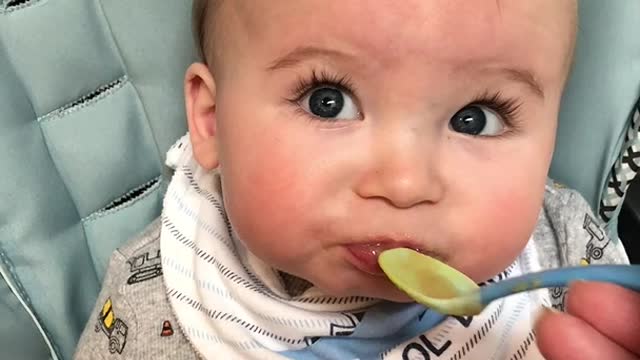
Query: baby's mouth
365,256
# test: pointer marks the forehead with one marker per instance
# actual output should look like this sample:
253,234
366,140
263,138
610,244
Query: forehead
458,34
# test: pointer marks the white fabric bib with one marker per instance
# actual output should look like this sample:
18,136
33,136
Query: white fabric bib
231,305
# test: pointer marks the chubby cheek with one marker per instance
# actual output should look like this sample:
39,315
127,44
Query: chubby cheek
499,230
267,188
497,199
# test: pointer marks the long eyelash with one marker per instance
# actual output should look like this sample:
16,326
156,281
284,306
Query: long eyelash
508,109
320,78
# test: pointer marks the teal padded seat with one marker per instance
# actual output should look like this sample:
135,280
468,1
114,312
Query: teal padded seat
598,105
91,99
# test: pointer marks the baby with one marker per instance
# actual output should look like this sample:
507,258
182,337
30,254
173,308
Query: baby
322,133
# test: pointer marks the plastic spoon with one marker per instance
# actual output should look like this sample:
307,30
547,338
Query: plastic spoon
448,291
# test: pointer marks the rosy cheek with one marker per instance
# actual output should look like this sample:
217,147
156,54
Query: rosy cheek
510,220
264,194
506,226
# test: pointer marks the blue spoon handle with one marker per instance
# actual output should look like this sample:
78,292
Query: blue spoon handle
624,275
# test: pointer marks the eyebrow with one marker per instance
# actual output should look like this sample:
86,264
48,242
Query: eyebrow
524,77
302,53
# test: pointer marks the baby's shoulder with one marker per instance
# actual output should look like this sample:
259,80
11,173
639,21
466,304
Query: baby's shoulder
138,263
558,198
568,233
566,213
132,317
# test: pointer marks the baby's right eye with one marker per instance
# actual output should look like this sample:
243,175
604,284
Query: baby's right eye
330,104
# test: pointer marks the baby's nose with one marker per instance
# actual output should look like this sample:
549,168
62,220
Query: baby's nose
404,175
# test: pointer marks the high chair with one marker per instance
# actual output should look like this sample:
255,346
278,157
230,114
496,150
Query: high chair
91,99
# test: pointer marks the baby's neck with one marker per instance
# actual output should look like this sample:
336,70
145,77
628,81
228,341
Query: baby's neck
293,285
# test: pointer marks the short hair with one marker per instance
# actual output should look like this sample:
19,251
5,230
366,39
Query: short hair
201,15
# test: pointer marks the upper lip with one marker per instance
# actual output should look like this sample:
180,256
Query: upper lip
386,242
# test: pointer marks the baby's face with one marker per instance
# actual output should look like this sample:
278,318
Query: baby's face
343,128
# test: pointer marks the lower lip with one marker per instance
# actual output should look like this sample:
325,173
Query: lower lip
365,258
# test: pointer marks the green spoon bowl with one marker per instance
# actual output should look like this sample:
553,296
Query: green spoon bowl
444,289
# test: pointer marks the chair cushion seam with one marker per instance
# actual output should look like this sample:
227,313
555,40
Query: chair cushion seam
25,300
76,105
29,4
7,263
66,187
102,213
124,64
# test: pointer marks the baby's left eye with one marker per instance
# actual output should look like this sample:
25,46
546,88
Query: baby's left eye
477,120
330,104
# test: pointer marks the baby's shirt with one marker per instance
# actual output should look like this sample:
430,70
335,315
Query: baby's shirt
187,288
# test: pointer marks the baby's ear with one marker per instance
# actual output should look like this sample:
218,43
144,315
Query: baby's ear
200,102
